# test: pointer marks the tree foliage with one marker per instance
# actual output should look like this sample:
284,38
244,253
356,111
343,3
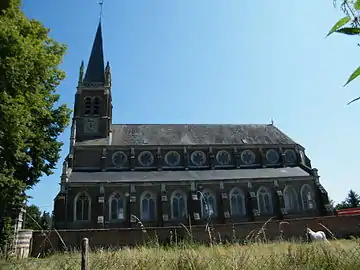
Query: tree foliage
349,25
36,220
6,232
351,201
32,218
31,118
4,4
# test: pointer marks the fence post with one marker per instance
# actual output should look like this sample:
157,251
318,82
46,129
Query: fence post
84,253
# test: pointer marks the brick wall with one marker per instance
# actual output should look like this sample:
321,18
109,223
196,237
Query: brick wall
340,226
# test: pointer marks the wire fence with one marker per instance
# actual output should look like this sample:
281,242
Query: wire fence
337,254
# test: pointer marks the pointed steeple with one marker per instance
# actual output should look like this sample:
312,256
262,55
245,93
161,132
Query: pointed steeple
95,69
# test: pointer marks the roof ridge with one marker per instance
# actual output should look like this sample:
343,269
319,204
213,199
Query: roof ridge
198,134
192,124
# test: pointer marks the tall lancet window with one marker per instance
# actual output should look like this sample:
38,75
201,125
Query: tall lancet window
307,197
148,206
208,204
291,200
264,201
237,202
87,105
96,106
117,207
82,211
178,205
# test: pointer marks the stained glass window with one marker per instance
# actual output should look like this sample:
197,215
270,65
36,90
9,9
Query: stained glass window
116,207
148,205
265,201
237,203
82,205
178,205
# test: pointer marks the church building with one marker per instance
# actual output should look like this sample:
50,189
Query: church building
167,174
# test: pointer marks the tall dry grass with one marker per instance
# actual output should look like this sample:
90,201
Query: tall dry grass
257,253
339,255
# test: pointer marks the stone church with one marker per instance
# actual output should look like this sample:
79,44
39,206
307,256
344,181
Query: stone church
166,174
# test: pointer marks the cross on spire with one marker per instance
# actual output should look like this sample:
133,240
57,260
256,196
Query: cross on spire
101,2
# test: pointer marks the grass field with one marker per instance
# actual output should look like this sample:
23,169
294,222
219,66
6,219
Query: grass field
339,255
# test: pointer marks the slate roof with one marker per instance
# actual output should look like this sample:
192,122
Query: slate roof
176,134
188,134
176,176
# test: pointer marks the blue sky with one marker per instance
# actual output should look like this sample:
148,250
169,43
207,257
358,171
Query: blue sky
210,61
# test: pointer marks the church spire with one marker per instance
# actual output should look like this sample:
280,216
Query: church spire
95,69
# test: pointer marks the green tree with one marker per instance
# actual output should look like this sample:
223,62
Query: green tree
351,201
46,221
5,230
31,118
36,220
4,5
348,25
32,218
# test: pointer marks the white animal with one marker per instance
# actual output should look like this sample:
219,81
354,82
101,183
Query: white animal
317,236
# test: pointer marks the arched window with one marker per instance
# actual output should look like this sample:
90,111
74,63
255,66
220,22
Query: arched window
82,207
291,200
96,106
237,202
117,207
307,197
178,205
87,105
264,201
208,204
148,206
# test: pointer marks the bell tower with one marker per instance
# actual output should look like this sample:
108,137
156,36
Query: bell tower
93,104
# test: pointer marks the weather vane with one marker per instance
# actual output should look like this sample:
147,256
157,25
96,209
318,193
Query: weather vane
101,2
